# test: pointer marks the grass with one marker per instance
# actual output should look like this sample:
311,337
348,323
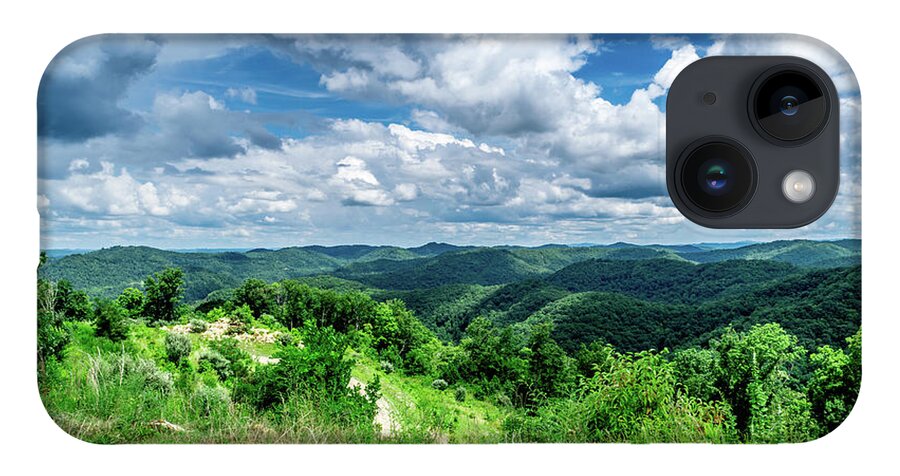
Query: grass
429,415
106,392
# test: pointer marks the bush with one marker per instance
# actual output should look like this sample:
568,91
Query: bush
207,399
110,320
198,326
178,347
386,366
460,394
239,361
153,378
215,361
287,339
439,384
317,372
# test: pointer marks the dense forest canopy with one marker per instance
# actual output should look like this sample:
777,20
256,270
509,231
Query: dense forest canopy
756,343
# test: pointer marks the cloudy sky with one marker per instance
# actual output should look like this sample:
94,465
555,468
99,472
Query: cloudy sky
220,141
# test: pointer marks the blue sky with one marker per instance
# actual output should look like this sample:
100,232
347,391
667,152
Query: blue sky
244,141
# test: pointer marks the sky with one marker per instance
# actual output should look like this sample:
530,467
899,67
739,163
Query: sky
272,141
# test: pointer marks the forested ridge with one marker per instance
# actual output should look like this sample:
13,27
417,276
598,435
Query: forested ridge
758,343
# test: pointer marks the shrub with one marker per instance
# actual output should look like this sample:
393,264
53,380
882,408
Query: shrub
143,370
110,320
239,361
287,339
215,361
206,399
198,326
439,384
178,347
460,394
317,372
386,366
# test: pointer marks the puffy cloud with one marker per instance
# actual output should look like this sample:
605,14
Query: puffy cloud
109,193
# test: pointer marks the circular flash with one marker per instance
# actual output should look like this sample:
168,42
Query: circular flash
798,186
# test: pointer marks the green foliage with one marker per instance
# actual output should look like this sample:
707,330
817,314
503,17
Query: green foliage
439,384
754,379
198,326
239,361
318,371
215,361
460,394
164,291
178,346
257,295
132,302
834,383
52,335
550,371
696,370
110,320
594,357
75,305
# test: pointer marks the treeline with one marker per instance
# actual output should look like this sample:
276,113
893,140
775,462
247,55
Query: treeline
741,385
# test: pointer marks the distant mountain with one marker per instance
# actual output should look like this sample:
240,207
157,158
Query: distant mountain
483,266
667,280
433,265
108,271
813,254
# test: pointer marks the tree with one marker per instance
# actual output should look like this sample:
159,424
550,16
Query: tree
52,334
257,295
754,378
110,320
549,371
74,305
131,301
834,383
164,291
696,372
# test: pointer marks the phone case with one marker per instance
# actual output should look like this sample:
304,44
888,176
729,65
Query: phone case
424,239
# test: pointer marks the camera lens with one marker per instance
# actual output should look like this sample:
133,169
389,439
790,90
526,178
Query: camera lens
717,176
790,104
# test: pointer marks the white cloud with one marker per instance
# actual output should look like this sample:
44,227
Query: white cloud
106,192
246,94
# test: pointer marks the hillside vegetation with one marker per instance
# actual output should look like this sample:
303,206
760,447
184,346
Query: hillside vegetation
448,344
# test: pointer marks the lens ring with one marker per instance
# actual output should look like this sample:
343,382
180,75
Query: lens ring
715,177
789,105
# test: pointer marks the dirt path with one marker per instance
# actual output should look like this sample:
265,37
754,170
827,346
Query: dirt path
385,416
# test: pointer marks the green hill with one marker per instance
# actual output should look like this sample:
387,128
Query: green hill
814,254
668,280
109,271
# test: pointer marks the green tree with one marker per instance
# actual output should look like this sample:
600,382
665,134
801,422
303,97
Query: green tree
75,305
549,371
110,320
52,335
754,378
834,383
257,295
696,371
164,291
132,302
594,357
